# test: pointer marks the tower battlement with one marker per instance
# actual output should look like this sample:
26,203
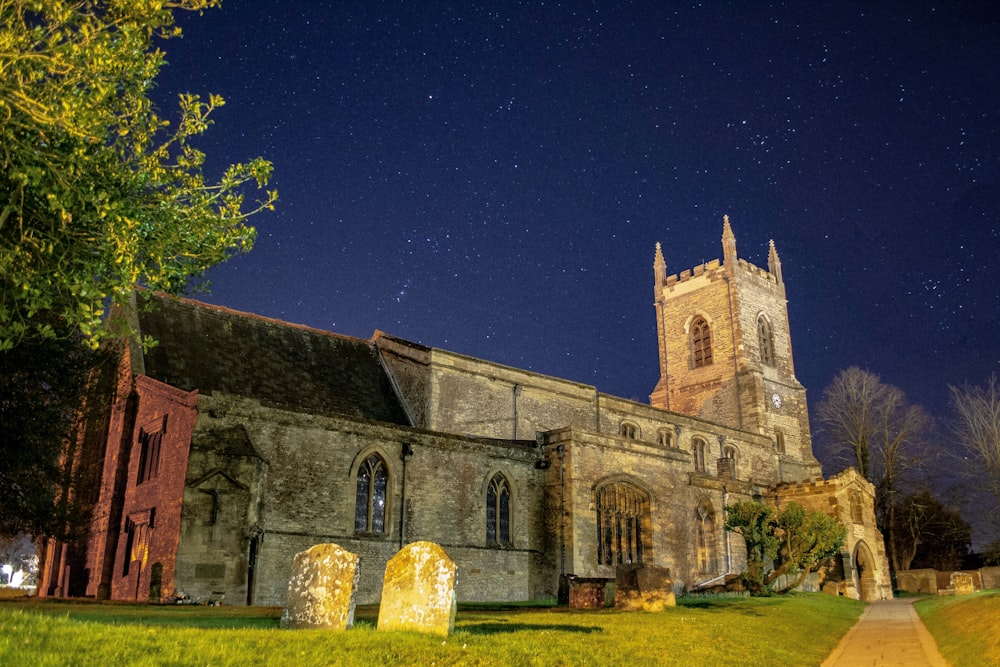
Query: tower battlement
747,269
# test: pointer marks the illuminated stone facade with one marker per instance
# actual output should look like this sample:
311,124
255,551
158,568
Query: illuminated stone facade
282,437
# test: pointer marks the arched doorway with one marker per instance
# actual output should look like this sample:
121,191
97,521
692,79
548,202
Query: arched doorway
864,571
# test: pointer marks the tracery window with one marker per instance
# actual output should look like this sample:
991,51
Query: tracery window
698,447
701,343
628,430
705,537
622,510
369,507
765,341
498,511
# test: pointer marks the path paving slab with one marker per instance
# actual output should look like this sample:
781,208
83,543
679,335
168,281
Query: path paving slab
888,634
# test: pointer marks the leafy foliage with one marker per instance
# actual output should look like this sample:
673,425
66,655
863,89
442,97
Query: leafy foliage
799,541
40,401
97,191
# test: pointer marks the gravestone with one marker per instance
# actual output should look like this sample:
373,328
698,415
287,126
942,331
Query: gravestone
418,592
643,587
321,589
962,583
587,592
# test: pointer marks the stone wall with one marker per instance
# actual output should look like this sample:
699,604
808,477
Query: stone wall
151,511
664,476
990,577
707,392
934,582
296,482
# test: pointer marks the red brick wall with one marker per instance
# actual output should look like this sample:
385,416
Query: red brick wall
158,407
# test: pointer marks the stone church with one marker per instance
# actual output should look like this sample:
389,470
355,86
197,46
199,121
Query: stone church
237,441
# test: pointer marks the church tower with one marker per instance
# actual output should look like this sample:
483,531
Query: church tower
726,350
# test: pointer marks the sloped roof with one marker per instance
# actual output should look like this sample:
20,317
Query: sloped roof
214,349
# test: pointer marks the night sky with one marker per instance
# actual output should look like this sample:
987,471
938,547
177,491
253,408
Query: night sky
491,178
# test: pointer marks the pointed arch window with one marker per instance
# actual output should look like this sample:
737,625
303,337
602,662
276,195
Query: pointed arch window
705,537
498,511
765,341
701,343
622,513
369,507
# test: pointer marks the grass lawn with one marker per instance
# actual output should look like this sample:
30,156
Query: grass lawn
966,627
793,630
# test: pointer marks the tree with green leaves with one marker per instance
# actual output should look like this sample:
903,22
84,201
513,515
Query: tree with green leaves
791,542
43,381
98,191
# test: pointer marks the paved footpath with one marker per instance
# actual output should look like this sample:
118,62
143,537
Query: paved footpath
889,632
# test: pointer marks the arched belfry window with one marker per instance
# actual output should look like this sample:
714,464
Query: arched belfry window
498,511
698,452
731,456
705,537
701,343
622,511
369,507
765,341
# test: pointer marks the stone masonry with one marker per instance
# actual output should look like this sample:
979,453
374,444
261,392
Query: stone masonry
240,441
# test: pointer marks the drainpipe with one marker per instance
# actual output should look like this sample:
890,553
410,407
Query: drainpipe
406,454
517,392
725,531
561,452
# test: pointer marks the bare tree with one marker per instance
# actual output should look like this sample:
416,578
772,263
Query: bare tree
930,533
871,426
977,429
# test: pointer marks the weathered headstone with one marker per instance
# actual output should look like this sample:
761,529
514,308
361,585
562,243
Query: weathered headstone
418,592
962,583
831,588
644,588
587,593
321,589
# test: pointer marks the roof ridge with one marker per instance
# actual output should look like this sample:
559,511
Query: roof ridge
256,316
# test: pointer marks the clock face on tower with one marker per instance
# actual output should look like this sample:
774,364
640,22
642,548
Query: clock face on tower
776,400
